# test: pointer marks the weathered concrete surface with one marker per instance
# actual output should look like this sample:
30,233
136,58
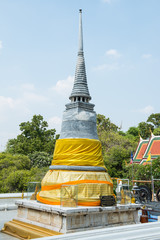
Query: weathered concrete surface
79,122
65,220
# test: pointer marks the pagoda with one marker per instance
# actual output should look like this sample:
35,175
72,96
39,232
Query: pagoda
77,159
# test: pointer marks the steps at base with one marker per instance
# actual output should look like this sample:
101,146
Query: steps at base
23,230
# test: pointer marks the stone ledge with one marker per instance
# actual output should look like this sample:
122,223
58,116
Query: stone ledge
75,210
65,219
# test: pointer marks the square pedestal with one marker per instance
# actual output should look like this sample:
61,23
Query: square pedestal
65,220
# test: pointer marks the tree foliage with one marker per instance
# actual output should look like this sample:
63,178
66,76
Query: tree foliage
16,172
133,131
154,119
40,159
153,124
104,124
145,129
116,147
156,131
28,156
18,161
34,137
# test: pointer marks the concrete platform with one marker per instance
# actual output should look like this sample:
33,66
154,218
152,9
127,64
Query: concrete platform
66,220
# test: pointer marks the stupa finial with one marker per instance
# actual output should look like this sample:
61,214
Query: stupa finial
80,32
80,90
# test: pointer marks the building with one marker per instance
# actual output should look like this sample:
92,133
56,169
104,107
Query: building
146,147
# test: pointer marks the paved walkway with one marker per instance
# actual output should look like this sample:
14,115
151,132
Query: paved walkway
6,216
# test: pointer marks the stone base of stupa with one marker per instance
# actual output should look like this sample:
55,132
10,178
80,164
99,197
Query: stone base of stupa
74,219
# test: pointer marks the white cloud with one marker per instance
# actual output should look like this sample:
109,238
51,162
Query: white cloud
28,87
6,102
113,53
146,110
33,97
1,44
146,56
108,67
10,108
29,95
22,106
55,122
64,87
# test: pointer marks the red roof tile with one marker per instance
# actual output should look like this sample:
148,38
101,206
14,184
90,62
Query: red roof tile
142,151
155,148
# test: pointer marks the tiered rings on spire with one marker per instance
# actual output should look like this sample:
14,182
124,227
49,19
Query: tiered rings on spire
80,90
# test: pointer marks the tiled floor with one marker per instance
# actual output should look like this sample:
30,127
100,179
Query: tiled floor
6,216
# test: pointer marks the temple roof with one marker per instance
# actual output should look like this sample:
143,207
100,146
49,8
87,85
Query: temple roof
142,145
153,147
80,87
146,147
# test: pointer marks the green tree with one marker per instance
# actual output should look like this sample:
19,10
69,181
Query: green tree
16,172
144,129
104,124
17,180
34,137
154,118
116,145
115,159
18,161
133,131
13,180
40,159
156,131
13,165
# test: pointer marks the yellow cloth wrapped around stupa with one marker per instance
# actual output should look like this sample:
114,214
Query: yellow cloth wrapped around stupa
78,152
91,184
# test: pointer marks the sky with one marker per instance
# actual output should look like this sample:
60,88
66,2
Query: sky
38,53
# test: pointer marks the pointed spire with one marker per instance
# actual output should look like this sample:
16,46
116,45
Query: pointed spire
80,32
80,88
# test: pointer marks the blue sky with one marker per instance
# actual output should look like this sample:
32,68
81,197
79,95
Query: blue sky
38,53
